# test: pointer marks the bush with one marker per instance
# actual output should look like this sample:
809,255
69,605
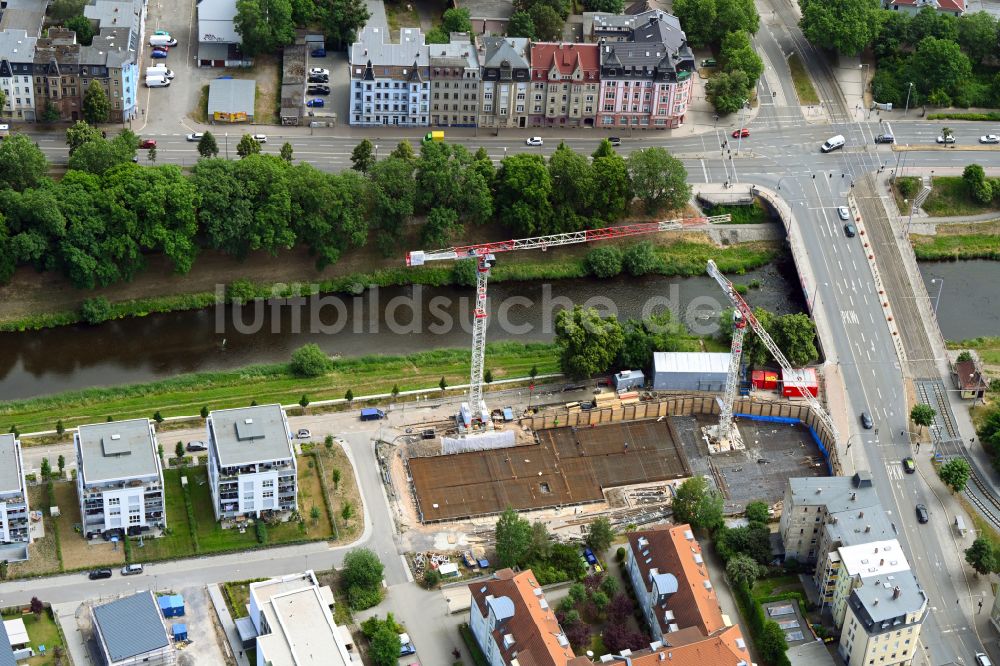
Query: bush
604,261
620,554
432,578
640,259
261,530
310,361
96,310
907,186
240,291
360,598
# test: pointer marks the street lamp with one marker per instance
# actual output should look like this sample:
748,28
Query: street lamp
864,80
908,89
744,107
940,283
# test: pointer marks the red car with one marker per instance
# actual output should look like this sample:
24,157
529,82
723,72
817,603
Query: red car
744,132
147,143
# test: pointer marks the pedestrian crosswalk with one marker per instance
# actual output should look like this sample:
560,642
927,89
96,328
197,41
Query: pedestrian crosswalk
894,469
849,316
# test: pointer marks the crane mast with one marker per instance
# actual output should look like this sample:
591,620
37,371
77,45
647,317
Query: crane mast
743,312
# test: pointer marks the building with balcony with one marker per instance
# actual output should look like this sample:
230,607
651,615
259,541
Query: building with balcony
845,529
882,620
390,83
880,560
15,534
505,81
565,83
119,479
454,71
17,55
251,463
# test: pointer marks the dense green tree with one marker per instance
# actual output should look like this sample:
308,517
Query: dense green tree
513,538
735,16
286,152
757,512
795,335
8,260
327,211
404,151
523,195
612,189
100,156
923,415
893,32
383,647
659,179
362,568
96,105
640,259
658,333
771,642
728,91
572,189
343,19
456,20
310,361
566,558
393,195
698,504
608,6
83,28
207,147
35,225
604,261
540,546
955,473
248,146
737,53
548,24
264,25
442,226
977,184
743,569
846,26
22,163
929,22
61,11
521,25
600,535
697,18
982,556
977,35
363,156
588,343
948,74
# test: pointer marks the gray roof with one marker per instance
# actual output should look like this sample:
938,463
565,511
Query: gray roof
859,525
16,46
706,362
6,651
115,14
231,96
117,451
372,47
837,493
512,50
250,434
131,626
11,478
885,599
23,15
215,22
459,52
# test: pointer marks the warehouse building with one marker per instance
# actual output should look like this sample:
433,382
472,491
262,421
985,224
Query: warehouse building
130,631
231,100
690,371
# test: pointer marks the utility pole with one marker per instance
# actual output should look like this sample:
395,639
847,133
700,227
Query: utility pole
908,89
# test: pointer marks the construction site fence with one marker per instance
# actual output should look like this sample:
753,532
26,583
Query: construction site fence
790,420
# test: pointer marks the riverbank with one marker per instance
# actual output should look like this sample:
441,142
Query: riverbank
35,301
953,242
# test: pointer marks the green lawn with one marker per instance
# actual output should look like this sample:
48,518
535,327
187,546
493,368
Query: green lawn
767,587
803,84
237,596
980,240
949,197
988,348
178,542
752,214
42,630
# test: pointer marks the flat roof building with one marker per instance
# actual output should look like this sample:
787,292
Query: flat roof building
878,559
14,523
883,620
690,371
231,100
131,630
119,479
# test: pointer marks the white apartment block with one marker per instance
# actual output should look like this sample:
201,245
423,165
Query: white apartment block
251,463
882,622
119,478
881,560
14,525
17,52
390,83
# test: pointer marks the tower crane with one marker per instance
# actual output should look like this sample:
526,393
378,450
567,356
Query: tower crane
725,434
485,256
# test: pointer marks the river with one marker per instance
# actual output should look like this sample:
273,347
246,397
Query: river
378,321
967,306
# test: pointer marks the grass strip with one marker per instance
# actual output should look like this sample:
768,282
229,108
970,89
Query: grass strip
803,84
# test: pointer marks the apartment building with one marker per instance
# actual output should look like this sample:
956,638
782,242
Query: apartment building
671,582
14,524
112,58
810,501
726,647
506,77
119,479
17,50
251,463
843,529
57,75
882,622
454,69
565,84
646,69
390,83
881,560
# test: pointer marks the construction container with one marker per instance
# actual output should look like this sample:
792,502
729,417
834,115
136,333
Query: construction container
799,378
766,380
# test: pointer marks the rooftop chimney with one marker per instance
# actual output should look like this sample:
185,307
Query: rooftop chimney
896,592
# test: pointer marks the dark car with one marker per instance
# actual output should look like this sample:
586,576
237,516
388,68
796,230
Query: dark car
866,421
317,102
318,53
147,143
197,446
922,515
319,78
615,140
908,465
98,574
318,89
885,138
850,230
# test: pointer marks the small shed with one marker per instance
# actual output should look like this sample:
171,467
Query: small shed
231,100
180,631
508,414
626,380
171,605
448,570
690,371
792,382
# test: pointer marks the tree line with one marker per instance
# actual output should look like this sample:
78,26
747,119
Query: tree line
100,222
267,25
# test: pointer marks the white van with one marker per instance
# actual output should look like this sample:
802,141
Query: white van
159,70
983,660
4,130
162,40
833,143
157,81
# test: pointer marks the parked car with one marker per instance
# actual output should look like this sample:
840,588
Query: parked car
615,140
162,32
259,138
990,138
147,143
303,433
406,645
708,62
946,138
318,90
908,465
844,213
922,514
131,569
197,446
885,138
319,71
318,79
195,136
318,53
850,230
316,102
534,141
98,574
982,659
866,421
158,53
742,132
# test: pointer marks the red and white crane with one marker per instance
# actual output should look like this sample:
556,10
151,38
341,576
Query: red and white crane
725,434
484,255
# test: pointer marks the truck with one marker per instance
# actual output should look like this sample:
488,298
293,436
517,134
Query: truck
371,414
435,136
157,81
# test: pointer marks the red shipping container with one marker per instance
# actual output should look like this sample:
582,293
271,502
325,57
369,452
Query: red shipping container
801,377
764,379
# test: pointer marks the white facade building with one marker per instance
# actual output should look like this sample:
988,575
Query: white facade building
883,620
390,83
14,526
17,52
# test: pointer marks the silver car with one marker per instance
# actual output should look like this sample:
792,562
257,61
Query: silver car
844,213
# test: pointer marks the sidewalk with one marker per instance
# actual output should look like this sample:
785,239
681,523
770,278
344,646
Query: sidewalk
234,645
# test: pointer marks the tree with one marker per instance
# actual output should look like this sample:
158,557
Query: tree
363,156
22,164
771,642
697,18
521,25
795,335
977,35
609,6
328,211
383,647
395,391
347,511
735,16
304,401
533,372
697,504
456,20
604,261
982,556
99,157
393,195
349,396
922,415
846,26
620,636
310,361
949,76
342,19
642,338
151,154
264,25
61,462
540,546
441,227
964,357
247,146
609,586
404,151
179,450
96,106
362,568
659,179
572,189
488,376
46,467
83,28
443,384
513,537
547,22
314,514
157,416
207,147
600,600
50,113
757,512
743,569
60,428
737,53
36,606
640,259
286,152
612,189
728,91
600,535
523,195
80,133
955,473
588,343
336,478
977,184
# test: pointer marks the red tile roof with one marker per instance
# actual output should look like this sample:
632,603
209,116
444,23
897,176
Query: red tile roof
566,58
720,649
943,5
670,550
968,377
534,627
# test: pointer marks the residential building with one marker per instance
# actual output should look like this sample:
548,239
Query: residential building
251,463
512,623
28,15
14,523
57,75
7,656
881,560
843,529
112,58
646,69
17,51
913,7
293,618
671,581
506,76
969,380
883,620
565,82
454,71
809,501
725,647
390,83
119,479
131,631
218,42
